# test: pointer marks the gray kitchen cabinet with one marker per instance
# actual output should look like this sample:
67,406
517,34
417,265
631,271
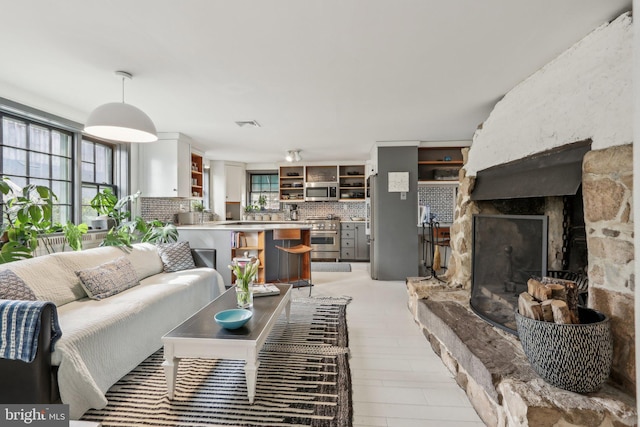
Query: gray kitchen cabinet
353,242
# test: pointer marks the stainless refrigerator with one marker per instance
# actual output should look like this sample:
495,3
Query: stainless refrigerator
371,225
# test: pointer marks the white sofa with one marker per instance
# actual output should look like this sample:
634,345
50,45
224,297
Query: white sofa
102,340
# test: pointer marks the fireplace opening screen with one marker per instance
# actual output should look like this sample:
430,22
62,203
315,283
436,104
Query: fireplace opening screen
507,251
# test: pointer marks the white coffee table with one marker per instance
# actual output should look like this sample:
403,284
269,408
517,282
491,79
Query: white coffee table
201,337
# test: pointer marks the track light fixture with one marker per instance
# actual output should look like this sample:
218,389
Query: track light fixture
293,156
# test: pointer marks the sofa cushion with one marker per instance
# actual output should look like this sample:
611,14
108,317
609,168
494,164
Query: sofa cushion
176,256
13,287
145,259
73,261
57,284
109,278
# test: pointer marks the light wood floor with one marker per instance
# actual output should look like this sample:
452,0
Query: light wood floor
398,381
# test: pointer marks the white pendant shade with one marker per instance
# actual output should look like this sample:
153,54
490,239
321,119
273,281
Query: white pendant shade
118,121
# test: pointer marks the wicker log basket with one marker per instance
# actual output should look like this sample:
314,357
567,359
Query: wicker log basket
574,357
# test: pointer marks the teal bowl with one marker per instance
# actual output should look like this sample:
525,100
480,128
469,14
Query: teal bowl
234,318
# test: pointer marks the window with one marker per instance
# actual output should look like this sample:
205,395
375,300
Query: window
264,184
33,153
97,174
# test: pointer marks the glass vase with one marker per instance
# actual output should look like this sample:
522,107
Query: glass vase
244,294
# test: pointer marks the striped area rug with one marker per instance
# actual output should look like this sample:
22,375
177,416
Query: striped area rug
303,380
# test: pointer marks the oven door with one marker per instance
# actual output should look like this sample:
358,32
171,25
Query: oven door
323,241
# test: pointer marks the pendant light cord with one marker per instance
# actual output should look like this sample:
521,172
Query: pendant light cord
123,89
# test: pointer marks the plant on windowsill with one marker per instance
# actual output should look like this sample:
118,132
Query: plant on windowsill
248,211
126,231
27,216
104,203
262,202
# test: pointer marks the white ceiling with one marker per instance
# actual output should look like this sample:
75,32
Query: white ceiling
330,77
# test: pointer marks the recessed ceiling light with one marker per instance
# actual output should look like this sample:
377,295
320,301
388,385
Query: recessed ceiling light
243,123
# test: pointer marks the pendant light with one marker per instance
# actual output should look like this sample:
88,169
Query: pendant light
118,121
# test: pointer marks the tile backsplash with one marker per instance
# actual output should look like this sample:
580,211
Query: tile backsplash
164,209
441,199
342,210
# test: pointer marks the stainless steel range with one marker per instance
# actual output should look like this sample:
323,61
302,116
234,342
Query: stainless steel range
325,237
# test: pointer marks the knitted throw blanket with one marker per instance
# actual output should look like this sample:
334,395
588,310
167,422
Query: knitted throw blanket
20,327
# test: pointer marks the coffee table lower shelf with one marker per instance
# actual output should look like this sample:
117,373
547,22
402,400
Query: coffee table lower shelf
201,337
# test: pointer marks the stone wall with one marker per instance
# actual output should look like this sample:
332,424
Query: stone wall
607,185
583,94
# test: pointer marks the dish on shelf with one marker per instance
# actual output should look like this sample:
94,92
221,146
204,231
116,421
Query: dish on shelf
357,218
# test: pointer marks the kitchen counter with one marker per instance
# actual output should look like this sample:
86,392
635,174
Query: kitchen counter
246,225
221,235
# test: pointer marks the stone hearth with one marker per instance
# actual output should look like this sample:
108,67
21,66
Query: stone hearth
491,367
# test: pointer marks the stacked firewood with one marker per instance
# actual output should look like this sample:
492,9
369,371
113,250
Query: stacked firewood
550,300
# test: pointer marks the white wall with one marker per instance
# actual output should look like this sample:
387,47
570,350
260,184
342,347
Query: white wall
586,92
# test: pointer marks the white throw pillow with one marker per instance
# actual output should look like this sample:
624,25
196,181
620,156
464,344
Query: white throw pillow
145,259
109,278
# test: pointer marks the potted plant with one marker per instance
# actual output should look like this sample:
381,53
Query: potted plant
262,202
198,206
27,214
73,234
104,203
248,212
126,231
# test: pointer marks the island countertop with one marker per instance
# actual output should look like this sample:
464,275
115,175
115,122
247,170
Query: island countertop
221,236
246,225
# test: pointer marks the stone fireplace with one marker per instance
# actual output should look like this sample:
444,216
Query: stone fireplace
581,97
606,187
530,223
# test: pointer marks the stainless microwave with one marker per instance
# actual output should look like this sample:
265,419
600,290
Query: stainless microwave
320,191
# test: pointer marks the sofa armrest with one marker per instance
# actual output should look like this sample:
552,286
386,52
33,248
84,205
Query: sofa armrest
34,382
204,257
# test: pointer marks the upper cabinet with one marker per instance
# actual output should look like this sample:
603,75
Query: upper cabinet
352,183
234,183
196,175
439,164
166,168
321,174
291,183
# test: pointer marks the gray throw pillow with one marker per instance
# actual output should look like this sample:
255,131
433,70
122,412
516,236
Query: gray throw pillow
109,278
176,256
13,287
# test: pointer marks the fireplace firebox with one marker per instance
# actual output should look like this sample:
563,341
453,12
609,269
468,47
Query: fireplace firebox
507,251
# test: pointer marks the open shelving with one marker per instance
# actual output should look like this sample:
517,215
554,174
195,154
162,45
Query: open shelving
291,183
196,175
439,164
352,183
247,244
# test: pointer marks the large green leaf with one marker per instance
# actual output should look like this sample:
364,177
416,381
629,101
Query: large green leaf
14,251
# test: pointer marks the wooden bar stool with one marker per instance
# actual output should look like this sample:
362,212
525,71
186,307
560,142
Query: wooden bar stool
287,235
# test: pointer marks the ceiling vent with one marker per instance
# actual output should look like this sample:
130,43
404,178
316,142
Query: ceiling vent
252,123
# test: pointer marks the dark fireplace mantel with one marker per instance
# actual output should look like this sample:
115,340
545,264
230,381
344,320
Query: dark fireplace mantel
556,172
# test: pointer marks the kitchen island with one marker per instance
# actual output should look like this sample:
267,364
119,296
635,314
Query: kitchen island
236,238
